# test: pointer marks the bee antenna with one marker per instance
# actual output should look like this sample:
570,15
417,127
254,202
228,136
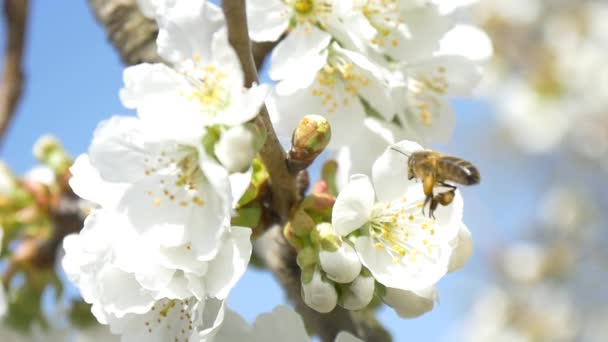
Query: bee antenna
405,154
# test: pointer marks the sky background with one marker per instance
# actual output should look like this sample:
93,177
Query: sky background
72,81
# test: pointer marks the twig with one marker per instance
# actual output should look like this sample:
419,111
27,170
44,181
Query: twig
272,154
15,13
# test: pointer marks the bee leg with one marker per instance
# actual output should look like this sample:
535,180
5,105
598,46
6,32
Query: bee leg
433,206
426,201
444,198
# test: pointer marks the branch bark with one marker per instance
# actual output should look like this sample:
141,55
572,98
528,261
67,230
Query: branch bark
130,32
272,154
15,14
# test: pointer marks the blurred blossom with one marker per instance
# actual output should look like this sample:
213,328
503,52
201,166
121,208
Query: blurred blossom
564,209
524,261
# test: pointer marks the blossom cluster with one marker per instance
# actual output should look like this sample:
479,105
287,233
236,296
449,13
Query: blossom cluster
551,96
377,241
158,256
380,71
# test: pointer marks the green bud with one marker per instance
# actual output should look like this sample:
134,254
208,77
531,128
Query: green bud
309,139
319,206
307,257
248,216
302,224
49,151
326,238
292,238
307,274
259,179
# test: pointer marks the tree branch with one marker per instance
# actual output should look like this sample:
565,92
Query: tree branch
15,14
132,34
272,154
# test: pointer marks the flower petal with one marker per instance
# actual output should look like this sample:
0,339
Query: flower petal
354,205
267,19
282,324
230,263
175,41
390,174
413,273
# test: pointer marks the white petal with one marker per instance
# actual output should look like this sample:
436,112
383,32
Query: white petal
175,41
245,105
319,295
341,266
389,172
230,263
468,41
87,183
148,82
462,250
297,58
233,328
117,150
409,304
267,19
459,74
282,324
358,294
353,205
412,275
235,149
239,183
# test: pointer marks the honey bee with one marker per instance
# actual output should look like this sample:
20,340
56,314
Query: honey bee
434,168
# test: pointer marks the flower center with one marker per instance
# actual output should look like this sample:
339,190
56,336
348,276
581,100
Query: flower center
209,86
424,92
382,15
180,176
339,72
400,228
313,12
173,316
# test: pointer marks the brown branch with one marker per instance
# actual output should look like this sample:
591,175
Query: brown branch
132,34
272,154
15,13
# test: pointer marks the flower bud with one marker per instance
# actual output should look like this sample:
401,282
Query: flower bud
236,148
324,237
307,257
309,139
463,248
409,304
302,224
342,265
318,294
358,294
48,151
292,238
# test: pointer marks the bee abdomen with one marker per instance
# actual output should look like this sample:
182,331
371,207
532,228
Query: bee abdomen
458,170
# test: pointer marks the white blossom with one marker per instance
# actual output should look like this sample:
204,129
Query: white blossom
319,294
463,248
402,247
342,265
358,294
410,304
282,324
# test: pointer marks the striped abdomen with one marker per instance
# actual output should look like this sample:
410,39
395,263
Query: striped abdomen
456,170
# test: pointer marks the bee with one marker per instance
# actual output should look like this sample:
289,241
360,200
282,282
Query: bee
434,168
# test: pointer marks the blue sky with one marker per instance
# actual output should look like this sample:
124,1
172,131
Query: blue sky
73,78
